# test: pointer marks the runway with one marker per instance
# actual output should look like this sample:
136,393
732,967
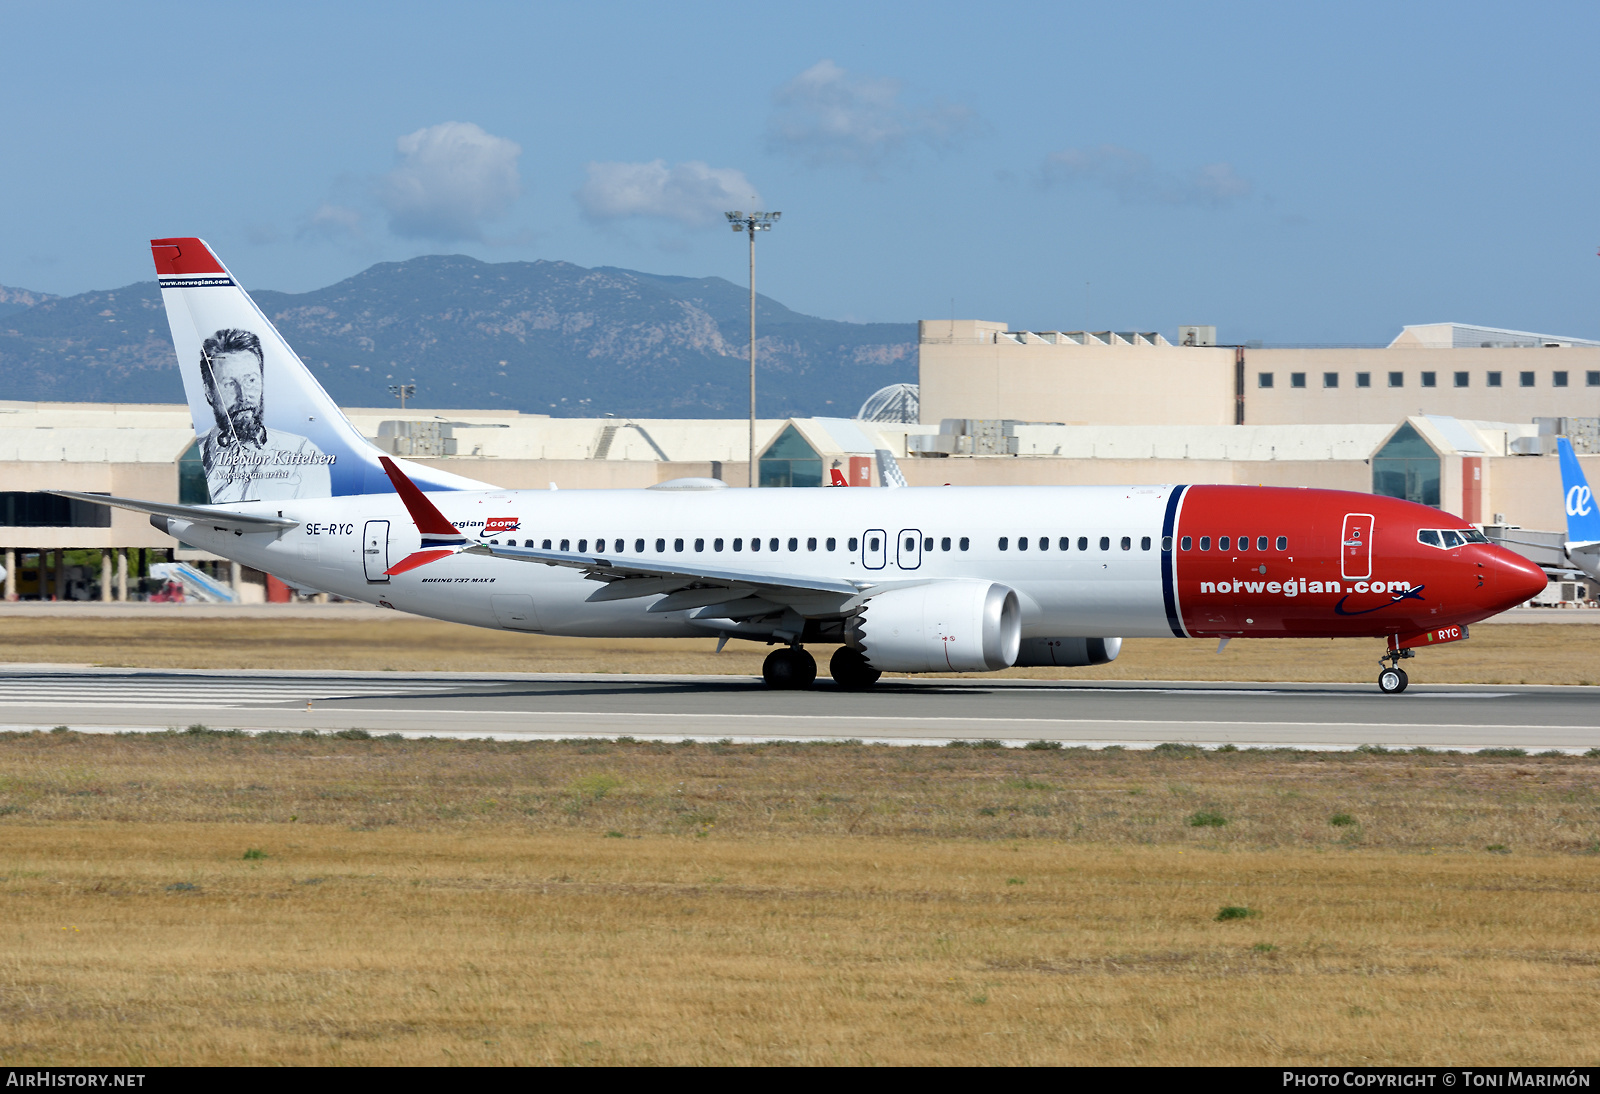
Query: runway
548,705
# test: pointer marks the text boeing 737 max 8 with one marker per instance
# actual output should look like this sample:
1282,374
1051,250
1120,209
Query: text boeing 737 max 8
965,579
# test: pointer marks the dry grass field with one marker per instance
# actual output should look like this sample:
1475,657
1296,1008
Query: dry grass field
205,898
1497,654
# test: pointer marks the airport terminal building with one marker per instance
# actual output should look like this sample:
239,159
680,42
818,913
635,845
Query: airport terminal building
1449,415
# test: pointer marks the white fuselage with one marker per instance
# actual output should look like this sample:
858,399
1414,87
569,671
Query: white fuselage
341,546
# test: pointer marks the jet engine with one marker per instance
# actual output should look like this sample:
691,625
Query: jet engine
944,626
1068,652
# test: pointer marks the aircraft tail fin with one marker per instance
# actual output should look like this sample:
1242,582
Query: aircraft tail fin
1583,517
266,430
889,473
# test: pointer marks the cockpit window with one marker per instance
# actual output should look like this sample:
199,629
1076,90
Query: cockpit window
1428,536
1472,535
1451,537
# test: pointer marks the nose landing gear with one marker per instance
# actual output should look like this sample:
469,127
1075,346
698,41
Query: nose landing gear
789,669
1392,679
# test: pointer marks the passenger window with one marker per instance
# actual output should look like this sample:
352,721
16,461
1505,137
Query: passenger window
1022,543
546,546
927,544
1127,543
1244,543
618,546
944,544
1083,543
965,543
772,544
1451,538
494,543
911,544
1004,543
638,546
1105,543
872,544
677,545
716,545
1283,543
1144,543
1222,543
566,545
699,545
1044,543
830,543
1261,543
794,543
755,543
1186,543
851,543
1428,537
1064,544
811,543
527,543
583,545
661,545
1205,543
738,544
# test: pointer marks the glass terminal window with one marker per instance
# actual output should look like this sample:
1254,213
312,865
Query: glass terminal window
1363,379
1430,379
1263,379
1397,379
1297,379
1491,379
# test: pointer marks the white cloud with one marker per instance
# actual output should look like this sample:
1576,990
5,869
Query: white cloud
332,222
1135,179
449,179
692,193
827,115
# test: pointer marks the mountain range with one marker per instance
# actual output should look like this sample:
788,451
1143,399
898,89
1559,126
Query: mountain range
540,337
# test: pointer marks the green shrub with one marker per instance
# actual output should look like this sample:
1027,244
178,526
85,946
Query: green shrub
68,729
1374,750
1263,947
1227,748
353,735
254,853
1207,819
1555,752
1015,881
614,834
394,736
964,744
989,743
182,887
1341,820
1593,753
1236,911
1498,849
1504,753
1174,748
595,787
1041,746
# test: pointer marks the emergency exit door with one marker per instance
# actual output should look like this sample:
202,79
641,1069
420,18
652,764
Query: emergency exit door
375,552
1355,546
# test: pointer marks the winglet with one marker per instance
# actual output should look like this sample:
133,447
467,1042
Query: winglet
433,524
440,538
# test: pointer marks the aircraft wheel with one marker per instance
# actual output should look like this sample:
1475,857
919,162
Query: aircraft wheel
1392,681
851,671
789,670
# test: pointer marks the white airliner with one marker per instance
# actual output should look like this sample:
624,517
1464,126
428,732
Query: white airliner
901,580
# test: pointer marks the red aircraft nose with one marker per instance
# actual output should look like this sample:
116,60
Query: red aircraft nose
1513,579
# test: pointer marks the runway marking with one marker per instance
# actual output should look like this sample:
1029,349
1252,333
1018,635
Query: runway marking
920,720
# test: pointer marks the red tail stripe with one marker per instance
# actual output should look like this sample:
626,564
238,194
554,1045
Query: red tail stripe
184,255
429,520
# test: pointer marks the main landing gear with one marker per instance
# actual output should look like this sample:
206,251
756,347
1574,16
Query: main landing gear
1392,679
789,669
793,669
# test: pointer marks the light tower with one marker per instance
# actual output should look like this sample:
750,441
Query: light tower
752,223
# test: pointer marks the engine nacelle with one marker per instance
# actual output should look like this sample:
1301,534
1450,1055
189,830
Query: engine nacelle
1069,653
944,626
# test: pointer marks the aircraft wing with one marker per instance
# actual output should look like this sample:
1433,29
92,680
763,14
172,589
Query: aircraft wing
1586,557
200,514
692,586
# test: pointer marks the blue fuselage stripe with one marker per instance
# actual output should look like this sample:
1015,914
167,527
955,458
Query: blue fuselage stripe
1169,588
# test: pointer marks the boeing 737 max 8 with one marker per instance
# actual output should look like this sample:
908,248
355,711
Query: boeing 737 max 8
909,579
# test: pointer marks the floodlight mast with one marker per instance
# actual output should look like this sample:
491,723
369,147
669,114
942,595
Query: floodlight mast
752,223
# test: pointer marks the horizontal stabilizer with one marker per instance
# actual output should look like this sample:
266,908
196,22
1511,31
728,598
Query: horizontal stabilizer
198,514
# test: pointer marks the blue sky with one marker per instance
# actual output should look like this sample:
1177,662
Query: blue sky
1294,173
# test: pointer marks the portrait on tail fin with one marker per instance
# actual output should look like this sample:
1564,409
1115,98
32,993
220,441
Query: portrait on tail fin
242,458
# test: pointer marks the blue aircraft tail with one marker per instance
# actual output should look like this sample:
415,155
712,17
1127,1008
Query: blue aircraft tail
1583,517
